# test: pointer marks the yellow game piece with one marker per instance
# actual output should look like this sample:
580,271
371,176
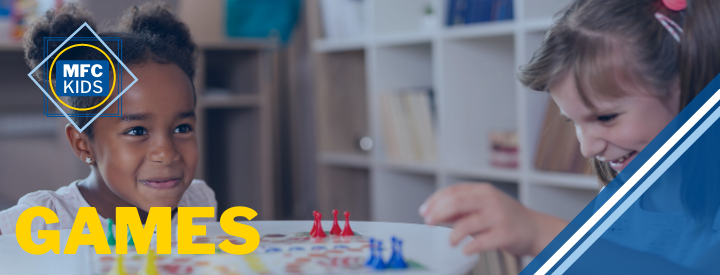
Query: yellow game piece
118,268
149,267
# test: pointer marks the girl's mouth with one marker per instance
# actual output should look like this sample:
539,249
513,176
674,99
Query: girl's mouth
620,163
161,184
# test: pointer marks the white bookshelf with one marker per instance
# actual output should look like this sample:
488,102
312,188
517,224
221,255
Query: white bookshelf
472,70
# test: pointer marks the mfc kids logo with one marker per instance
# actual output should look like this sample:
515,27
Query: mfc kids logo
67,78
83,78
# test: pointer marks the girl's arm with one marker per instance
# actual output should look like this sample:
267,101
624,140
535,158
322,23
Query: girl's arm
492,218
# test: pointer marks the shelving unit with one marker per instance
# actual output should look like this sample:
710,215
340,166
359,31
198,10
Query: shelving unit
236,87
472,70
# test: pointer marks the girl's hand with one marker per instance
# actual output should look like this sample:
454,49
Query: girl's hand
493,219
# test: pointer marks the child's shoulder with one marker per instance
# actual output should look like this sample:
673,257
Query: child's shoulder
198,194
64,202
65,197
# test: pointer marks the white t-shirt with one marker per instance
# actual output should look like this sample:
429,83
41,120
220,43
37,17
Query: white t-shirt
67,200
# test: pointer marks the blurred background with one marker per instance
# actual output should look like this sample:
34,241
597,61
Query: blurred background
367,106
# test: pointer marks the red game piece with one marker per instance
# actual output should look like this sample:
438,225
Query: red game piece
336,227
347,231
315,224
319,232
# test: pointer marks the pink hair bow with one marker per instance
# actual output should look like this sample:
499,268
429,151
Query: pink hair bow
676,5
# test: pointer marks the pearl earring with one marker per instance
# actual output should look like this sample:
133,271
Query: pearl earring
88,160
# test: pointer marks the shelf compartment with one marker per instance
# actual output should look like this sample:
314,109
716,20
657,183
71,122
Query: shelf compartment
215,100
565,180
345,160
397,196
11,47
342,102
344,189
232,169
480,30
19,93
543,8
232,71
478,97
541,24
561,202
487,173
339,45
402,16
509,188
404,39
411,167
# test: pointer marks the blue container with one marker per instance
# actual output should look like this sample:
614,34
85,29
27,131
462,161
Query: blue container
262,18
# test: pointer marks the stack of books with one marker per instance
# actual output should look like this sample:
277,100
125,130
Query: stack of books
559,149
504,149
462,12
342,18
408,125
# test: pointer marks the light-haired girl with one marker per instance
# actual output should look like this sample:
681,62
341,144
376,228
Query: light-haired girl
620,71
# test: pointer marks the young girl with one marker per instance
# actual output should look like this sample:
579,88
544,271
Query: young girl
620,71
145,158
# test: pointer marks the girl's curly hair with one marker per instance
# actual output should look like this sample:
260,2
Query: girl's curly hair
147,33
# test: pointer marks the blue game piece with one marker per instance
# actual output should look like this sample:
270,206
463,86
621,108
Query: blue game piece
372,253
396,260
340,246
378,263
273,249
297,248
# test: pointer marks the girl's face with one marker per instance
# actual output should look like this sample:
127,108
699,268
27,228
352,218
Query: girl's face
617,128
148,156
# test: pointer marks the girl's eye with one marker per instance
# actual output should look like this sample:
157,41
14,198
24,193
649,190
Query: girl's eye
136,131
183,129
606,118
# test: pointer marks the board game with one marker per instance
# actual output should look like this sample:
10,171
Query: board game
309,252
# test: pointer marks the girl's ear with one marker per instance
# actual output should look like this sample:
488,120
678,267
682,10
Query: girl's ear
79,144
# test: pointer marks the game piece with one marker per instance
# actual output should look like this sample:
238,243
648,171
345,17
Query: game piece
335,227
378,263
396,260
110,237
118,268
315,224
319,233
149,267
347,231
371,259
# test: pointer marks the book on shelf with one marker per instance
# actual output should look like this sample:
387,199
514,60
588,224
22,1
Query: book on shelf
462,12
504,149
343,18
408,122
559,149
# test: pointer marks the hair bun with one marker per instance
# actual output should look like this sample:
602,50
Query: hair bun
60,23
157,19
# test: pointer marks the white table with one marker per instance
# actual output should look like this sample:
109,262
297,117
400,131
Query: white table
428,245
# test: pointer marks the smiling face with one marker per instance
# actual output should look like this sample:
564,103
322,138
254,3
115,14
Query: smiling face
148,156
616,129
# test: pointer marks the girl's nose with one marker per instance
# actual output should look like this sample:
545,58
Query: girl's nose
163,150
591,145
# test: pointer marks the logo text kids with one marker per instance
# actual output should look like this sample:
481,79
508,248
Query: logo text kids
82,78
